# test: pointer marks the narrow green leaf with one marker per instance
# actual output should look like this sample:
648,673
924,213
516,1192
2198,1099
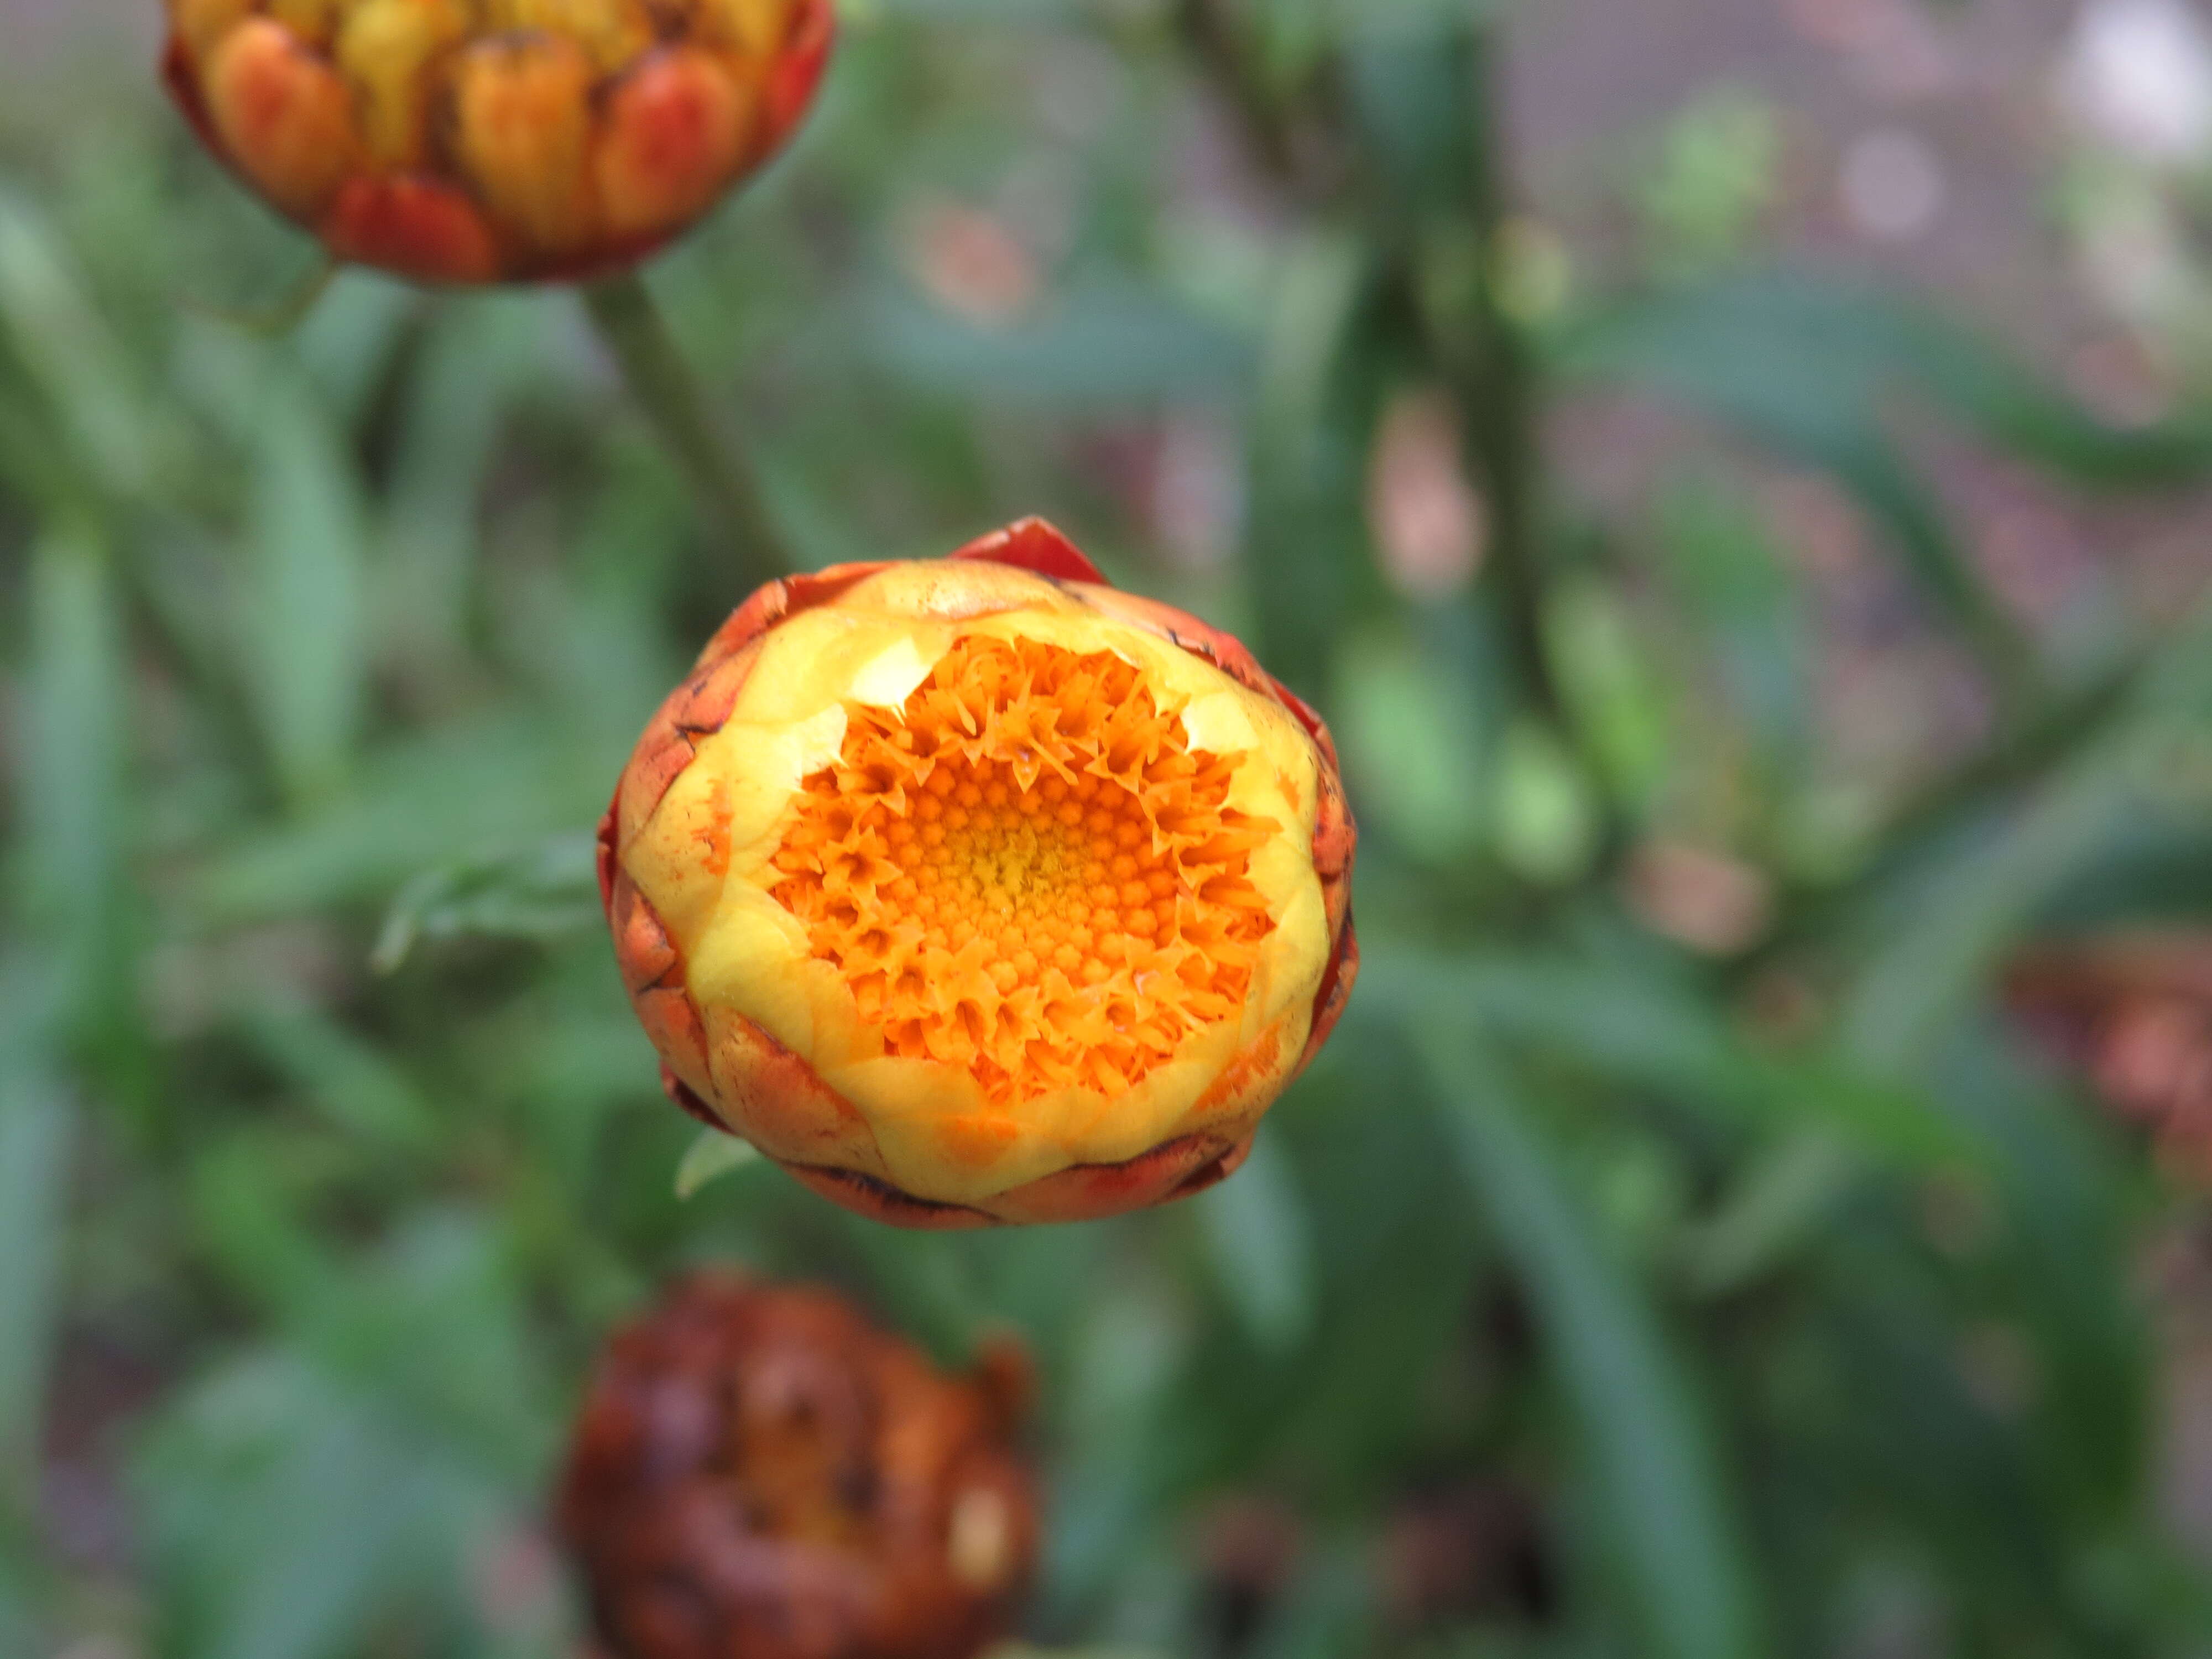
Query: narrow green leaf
1260,1246
36,1120
357,1086
1640,1030
51,322
1648,1452
305,631
1775,1205
1927,975
446,440
73,769
538,892
712,1155
1739,588
470,791
1796,367
1109,342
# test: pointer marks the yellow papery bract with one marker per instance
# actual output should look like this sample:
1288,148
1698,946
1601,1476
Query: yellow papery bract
995,896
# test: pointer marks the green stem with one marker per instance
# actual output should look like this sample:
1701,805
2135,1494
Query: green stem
1501,403
1214,40
623,311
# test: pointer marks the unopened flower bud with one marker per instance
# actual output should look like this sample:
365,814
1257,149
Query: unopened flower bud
475,141
972,891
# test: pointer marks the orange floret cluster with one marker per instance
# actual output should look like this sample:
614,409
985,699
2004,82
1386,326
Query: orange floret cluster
471,140
1027,871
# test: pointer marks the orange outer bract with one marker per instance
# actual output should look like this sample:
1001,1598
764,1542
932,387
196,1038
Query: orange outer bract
939,1160
486,141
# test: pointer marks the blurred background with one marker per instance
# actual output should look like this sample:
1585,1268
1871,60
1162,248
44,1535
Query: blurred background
1737,475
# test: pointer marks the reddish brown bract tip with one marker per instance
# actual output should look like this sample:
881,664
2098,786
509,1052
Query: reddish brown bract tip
759,1472
536,139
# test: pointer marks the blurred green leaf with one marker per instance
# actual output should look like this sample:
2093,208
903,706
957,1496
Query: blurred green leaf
72,776
1805,368
543,891
1641,1030
354,1084
1618,702
471,790
1777,1205
52,326
2065,1203
1317,399
1647,1449
1260,1248
712,1155
1737,586
1101,342
1415,747
1715,173
458,398
305,629
1923,977
36,1131
1544,817
357,1478
287,1515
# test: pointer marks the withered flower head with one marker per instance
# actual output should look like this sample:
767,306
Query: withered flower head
759,1472
973,890
2133,1010
478,141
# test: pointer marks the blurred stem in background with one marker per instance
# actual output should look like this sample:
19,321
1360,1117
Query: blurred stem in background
1498,389
1447,230
629,320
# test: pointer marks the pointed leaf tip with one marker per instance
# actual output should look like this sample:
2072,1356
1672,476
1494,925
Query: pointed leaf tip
711,1157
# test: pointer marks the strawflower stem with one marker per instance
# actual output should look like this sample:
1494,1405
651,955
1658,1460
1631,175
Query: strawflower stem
627,319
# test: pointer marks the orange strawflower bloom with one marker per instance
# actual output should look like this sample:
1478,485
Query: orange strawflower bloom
481,141
973,890
760,1472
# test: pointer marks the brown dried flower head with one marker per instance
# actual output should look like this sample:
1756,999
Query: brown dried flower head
2134,1011
760,1473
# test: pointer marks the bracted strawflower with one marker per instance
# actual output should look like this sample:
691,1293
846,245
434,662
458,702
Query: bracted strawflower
478,141
760,1472
972,891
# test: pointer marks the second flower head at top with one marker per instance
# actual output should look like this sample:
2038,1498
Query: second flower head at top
479,141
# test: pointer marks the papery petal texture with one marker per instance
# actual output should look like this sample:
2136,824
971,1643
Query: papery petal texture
973,890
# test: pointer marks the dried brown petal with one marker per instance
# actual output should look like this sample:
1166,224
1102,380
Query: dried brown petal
760,1473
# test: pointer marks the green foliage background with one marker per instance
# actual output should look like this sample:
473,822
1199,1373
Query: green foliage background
328,1148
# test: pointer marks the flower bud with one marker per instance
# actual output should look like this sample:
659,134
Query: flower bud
477,140
972,891
2133,1011
758,1471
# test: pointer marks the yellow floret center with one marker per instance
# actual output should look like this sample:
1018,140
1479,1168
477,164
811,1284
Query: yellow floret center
1026,871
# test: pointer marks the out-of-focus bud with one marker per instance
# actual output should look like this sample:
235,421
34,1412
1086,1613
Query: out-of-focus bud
477,140
972,891
2134,1013
759,1471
